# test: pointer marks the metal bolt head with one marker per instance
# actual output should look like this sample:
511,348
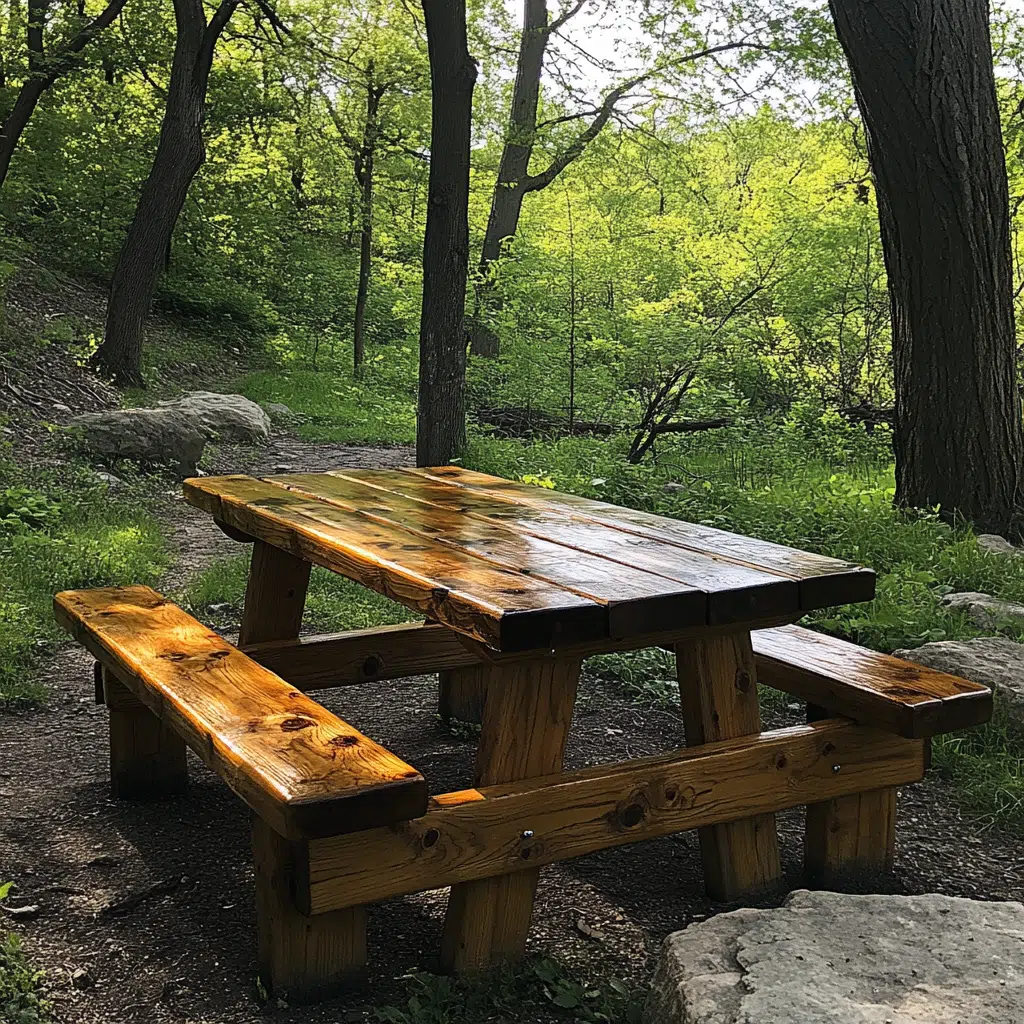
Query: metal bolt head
528,834
836,769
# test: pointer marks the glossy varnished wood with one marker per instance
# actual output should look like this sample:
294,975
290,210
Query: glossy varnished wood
734,592
908,699
302,769
501,607
823,581
479,833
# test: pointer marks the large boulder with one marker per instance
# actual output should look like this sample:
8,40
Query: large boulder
985,610
994,661
228,417
831,958
163,438
996,545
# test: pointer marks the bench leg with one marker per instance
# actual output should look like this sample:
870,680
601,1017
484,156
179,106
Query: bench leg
462,694
718,688
147,758
525,725
852,835
303,958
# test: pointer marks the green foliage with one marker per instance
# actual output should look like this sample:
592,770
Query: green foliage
61,529
20,1001
538,987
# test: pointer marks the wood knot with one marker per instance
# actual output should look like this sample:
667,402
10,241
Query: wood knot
632,816
430,838
344,741
373,665
743,681
295,724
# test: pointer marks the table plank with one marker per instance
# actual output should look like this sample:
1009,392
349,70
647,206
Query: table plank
823,581
505,610
637,600
736,592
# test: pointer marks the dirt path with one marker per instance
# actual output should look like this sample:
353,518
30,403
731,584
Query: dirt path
155,902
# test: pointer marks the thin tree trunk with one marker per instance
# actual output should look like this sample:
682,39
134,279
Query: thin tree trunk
180,153
364,174
44,70
441,413
923,74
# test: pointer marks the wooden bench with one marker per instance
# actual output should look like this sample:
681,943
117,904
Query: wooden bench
306,774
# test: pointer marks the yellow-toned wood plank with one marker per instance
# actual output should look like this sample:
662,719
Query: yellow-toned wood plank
301,768
301,958
734,592
911,700
147,758
718,688
478,833
501,607
822,581
525,725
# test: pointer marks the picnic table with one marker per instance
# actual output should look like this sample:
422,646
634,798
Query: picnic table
516,585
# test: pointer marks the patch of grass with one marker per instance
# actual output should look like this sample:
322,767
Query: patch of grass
62,529
332,604
378,407
20,982
539,987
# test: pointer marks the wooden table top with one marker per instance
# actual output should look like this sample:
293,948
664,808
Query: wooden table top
524,568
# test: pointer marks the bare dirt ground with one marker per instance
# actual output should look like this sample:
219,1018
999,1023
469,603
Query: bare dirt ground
152,905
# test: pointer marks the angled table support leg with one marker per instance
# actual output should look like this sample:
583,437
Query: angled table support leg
462,694
526,720
718,687
305,957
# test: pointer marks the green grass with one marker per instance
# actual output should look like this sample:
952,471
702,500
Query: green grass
20,983
61,529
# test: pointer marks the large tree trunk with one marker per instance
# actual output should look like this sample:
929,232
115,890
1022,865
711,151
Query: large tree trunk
180,153
44,69
923,74
441,415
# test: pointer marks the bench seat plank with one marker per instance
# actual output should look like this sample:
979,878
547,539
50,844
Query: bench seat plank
876,689
306,772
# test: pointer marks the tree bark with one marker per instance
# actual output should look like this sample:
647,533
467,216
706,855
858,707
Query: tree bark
43,70
923,73
441,413
181,151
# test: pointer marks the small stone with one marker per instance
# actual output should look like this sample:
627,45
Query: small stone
283,468
81,979
61,407
220,607
589,930
278,411
26,912
114,483
673,488
996,545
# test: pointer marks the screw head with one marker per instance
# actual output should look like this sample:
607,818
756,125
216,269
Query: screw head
528,834
836,769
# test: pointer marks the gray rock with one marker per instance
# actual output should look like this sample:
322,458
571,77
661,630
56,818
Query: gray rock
993,660
831,958
230,417
673,488
153,437
279,412
997,545
81,979
985,610
61,407
114,483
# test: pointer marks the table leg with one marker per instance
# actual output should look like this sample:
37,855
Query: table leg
461,694
305,957
851,835
718,688
526,720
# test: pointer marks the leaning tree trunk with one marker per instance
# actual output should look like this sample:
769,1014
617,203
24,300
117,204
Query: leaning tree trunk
441,414
17,121
180,153
364,174
923,74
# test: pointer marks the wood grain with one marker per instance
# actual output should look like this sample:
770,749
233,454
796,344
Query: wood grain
302,769
275,595
718,688
735,592
147,758
503,608
525,725
877,689
462,693
822,581
478,833
850,836
636,600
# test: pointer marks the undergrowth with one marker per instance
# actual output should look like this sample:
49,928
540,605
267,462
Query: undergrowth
20,983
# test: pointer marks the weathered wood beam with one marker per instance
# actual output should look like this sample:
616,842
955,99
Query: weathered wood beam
495,830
